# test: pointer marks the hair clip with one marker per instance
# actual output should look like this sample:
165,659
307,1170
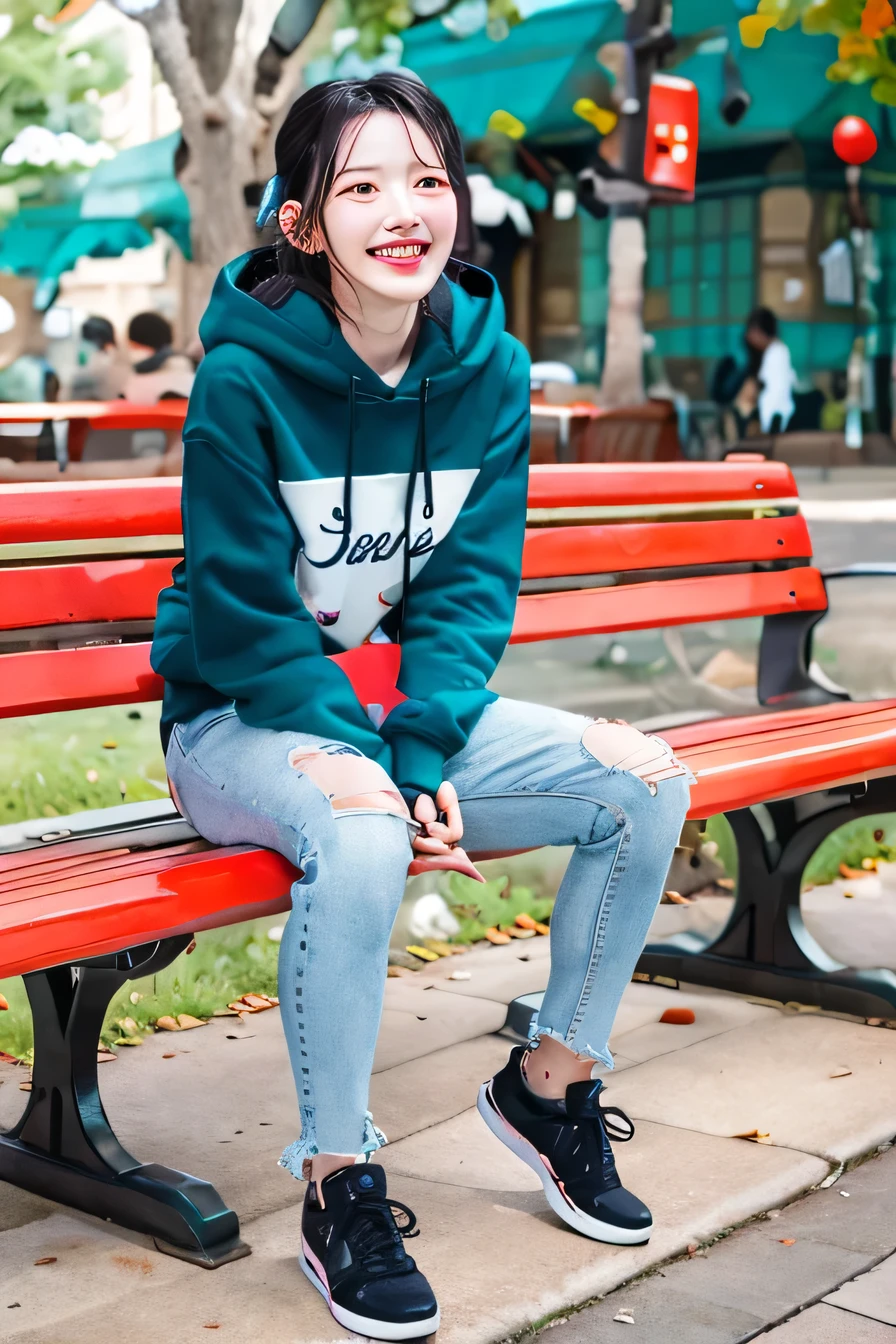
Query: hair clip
271,201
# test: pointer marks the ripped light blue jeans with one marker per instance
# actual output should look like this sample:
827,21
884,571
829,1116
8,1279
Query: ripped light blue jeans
524,779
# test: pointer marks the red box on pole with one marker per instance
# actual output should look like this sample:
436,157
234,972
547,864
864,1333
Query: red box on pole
670,155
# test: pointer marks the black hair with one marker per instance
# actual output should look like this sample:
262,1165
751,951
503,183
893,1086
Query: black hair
99,331
150,329
305,154
764,320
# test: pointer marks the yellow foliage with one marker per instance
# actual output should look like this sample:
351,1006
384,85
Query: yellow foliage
603,119
855,44
507,124
753,29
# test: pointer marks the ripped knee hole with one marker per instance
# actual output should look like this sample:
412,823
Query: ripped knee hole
348,780
621,747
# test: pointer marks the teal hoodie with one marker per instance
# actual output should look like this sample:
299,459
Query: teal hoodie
313,491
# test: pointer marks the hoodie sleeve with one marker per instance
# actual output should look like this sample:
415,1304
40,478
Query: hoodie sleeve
254,638
461,605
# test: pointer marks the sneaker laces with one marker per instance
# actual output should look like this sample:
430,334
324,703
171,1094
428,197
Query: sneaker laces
603,1123
372,1231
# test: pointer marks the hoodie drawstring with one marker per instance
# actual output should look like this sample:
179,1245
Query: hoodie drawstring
420,463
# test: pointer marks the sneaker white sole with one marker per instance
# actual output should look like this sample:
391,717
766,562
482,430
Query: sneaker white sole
362,1325
573,1216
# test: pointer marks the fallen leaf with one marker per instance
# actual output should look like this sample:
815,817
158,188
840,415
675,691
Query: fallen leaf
212,1325
845,871
105,1056
841,1073
726,883
441,949
625,1317
423,952
542,928
46,1260
239,1007
128,1040
460,975
191,948
225,1012
170,1054
497,937
396,972
516,932
275,1003
849,895
167,1024
525,922
257,1001
787,1241
110,744
4,1005
675,898
755,1135
679,1017
845,1194
186,1022
24,1087
129,1027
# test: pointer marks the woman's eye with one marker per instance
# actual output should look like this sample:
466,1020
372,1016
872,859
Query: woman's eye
359,186
434,181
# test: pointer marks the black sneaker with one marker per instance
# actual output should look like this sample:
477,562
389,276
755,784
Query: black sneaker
352,1252
567,1145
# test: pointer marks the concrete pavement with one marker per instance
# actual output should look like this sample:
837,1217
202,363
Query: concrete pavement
499,1259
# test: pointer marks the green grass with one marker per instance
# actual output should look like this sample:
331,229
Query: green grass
58,763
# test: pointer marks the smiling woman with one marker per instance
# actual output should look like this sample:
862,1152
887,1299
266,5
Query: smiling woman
355,480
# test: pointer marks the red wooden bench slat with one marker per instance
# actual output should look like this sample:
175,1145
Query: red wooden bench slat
648,484
646,606
14,878
221,886
551,552
100,590
56,679
119,674
119,414
69,512
34,513
206,889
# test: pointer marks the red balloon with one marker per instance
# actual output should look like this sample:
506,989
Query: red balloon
854,140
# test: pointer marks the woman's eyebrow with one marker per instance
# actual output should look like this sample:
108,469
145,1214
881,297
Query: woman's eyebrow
377,167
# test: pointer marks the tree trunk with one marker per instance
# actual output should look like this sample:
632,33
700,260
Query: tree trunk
622,383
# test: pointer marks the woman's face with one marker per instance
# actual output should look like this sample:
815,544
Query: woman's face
390,190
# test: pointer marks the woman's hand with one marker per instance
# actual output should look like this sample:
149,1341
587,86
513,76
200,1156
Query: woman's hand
437,846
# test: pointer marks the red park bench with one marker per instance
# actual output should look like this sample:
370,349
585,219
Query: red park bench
87,903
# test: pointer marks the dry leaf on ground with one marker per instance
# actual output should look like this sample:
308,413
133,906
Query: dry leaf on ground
396,972
497,937
24,1087
186,1022
170,1054
842,1073
167,1024
679,1017
625,1317
755,1135
726,883
516,932
225,1012
422,952
4,1006
46,1260
845,871
787,1241
526,922
460,975
542,928
258,1001
675,898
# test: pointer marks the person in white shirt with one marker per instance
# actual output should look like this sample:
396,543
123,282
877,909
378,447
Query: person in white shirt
775,371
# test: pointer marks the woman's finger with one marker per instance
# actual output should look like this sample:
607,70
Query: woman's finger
425,809
456,861
446,798
425,844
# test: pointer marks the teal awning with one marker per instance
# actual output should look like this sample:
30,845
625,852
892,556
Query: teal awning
124,200
139,184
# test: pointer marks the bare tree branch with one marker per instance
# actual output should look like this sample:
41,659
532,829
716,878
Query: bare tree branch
171,48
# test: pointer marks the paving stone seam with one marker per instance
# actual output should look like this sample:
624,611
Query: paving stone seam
652,1271
820,1297
782,1147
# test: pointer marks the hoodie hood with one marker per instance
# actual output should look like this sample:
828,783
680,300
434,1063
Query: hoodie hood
253,306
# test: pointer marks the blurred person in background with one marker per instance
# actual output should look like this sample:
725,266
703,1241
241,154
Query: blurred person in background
158,368
103,369
772,369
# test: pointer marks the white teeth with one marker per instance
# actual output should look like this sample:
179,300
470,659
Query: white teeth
414,250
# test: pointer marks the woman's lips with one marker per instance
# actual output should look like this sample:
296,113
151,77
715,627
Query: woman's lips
403,263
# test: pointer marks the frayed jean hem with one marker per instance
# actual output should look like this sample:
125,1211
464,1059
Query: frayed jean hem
293,1158
599,1056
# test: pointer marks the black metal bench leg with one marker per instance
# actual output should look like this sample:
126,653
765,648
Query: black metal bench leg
765,948
64,1148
